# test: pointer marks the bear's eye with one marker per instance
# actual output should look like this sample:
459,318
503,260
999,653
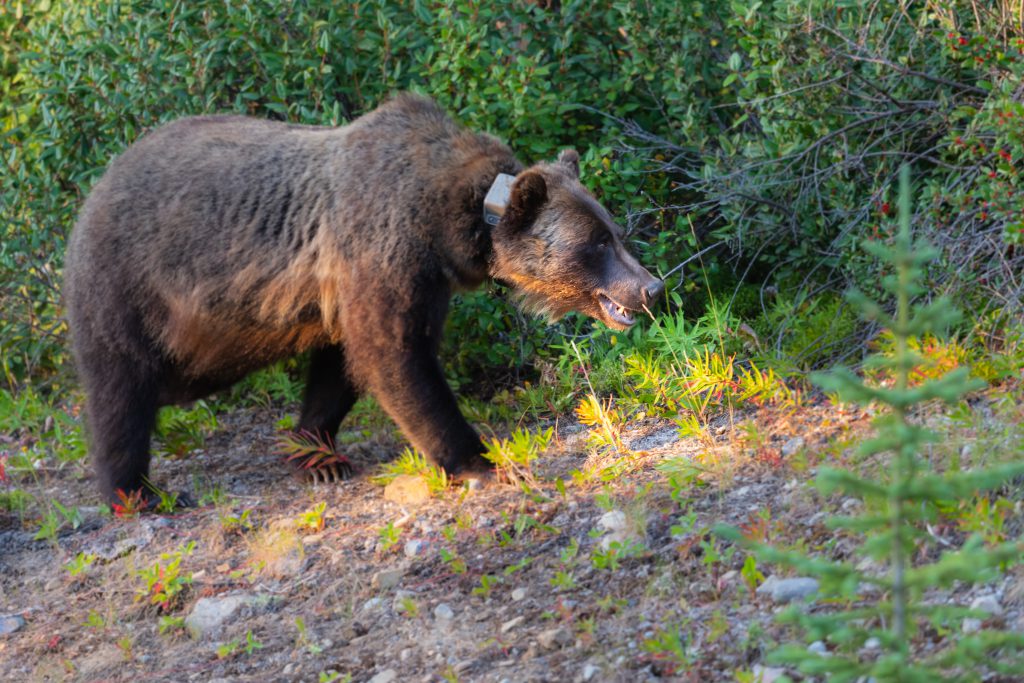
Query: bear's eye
604,240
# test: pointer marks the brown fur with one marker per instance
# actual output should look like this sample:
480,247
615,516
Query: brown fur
216,245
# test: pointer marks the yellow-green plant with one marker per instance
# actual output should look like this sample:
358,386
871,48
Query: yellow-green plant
413,463
313,518
164,581
513,457
605,421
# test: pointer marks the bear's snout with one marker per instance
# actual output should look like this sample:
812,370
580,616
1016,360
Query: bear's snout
652,291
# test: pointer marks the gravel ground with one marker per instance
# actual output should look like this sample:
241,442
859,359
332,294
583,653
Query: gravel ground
490,584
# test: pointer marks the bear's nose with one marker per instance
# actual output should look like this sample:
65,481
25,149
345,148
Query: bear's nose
653,290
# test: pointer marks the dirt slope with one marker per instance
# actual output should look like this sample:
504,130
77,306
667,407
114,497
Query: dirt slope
483,585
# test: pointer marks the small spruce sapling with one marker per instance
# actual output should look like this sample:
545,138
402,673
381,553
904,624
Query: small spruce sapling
908,495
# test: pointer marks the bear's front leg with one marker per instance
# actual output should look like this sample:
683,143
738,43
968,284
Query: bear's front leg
395,357
410,385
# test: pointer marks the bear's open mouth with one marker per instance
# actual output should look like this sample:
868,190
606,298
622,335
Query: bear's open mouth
616,311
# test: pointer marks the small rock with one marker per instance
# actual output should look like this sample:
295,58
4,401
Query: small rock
108,551
385,676
618,528
589,671
971,625
11,623
443,612
407,490
872,644
209,614
792,446
767,674
415,547
871,566
818,647
788,590
554,638
613,520
386,579
312,539
868,589
372,604
511,624
989,604
518,594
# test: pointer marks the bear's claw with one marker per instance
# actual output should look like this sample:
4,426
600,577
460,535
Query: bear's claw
329,473
319,467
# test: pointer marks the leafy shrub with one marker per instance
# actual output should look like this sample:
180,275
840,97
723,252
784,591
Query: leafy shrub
165,583
89,77
817,106
513,457
739,142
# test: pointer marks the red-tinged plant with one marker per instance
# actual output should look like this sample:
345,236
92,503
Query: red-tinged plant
165,583
757,527
131,503
308,451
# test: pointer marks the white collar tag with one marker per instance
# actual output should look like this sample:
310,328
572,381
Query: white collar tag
497,198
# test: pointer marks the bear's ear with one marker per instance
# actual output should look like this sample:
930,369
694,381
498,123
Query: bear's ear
571,159
529,193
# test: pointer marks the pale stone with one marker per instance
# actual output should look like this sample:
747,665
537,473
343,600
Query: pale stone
988,604
386,579
788,590
386,676
209,614
407,490
792,446
11,623
511,624
415,547
554,638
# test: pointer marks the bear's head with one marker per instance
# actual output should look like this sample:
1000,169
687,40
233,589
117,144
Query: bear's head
561,251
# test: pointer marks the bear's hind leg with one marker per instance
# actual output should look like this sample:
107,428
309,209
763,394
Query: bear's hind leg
330,394
122,405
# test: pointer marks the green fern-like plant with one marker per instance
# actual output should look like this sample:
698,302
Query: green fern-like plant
898,505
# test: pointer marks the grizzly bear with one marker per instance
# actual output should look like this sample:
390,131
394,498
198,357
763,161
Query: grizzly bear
216,245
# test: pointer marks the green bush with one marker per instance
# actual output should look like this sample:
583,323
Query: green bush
738,142
819,104
84,79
